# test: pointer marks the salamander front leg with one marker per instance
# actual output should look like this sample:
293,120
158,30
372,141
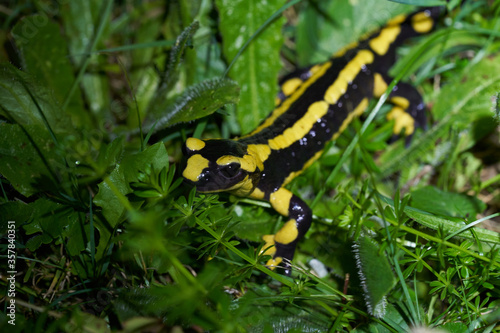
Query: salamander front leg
285,240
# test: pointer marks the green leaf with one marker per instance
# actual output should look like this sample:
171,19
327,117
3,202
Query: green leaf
458,105
375,274
450,226
126,172
51,221
27,160
256,71
27,102
392,316
257,222
454,327
197,101
44,54
80,23
16,211
327,26
470,96
433,200
110,154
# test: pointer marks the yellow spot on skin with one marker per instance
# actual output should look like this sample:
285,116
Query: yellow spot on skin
402,120
257,194
379,86
228,159
397,20
266,249
288,233
277,101
254,159
347,75
280,200
260,153
421,22
243,188
289,86
195,166
387,36
289,101
400,101
314,69
358,111
303,126
247,162
195,144
273,263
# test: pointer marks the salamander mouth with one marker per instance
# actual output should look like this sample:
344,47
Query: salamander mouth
215,184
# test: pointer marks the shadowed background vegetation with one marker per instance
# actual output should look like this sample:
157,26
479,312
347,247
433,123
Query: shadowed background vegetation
96,99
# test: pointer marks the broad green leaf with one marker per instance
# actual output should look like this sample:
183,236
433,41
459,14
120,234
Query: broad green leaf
458,104
52,221
256,71
471,95
257,222
375,274
27,102
197,101
126,172
80,22
16,211
94,170
110,154
31,148
455,328
433,200
44,54
328,26
448,225
28,161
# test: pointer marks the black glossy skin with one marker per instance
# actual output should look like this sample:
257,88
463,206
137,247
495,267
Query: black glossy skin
269,180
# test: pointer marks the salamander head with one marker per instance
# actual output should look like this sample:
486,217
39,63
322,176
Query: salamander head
220,165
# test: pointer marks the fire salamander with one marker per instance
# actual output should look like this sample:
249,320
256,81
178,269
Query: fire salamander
314,107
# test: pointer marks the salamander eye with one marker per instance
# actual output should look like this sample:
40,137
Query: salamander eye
230,170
